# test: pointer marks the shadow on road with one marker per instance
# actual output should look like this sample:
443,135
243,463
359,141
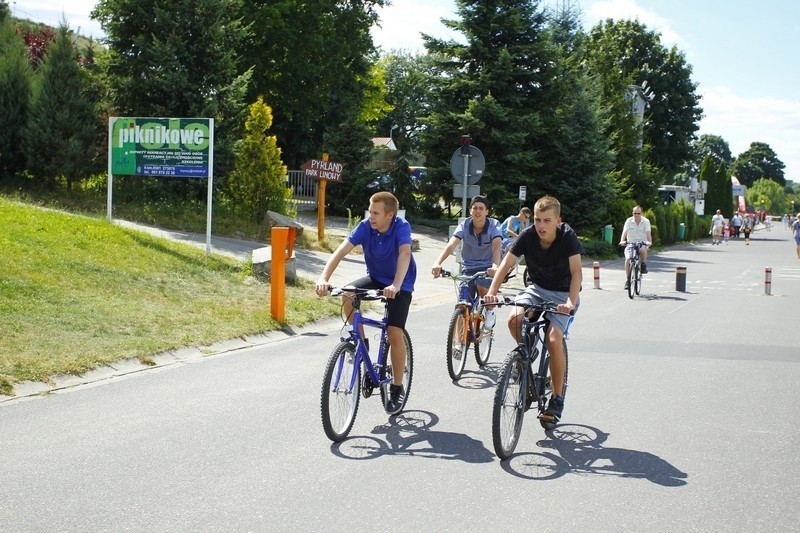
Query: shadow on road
579,449
410,433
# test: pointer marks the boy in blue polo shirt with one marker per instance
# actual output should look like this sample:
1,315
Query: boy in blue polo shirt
386,241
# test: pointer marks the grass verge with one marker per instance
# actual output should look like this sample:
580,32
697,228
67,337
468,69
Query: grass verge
77,293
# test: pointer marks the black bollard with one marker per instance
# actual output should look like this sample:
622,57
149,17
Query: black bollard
680,279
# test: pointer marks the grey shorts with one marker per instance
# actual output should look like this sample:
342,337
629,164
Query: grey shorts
534,294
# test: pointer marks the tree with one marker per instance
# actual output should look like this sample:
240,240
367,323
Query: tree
768,194
178,59
758,161
5,13
311,60
15,94
579,156
258,181
491,88
711,145
63,131
625,53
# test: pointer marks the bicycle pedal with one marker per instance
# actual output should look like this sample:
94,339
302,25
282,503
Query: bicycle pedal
457,354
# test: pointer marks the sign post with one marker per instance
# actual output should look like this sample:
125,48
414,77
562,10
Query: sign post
467,166
323,171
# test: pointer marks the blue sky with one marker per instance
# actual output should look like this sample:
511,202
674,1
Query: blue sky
743,54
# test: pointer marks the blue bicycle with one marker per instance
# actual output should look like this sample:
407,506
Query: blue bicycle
467,325
350,372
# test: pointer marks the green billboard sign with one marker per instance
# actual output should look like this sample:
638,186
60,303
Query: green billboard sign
178,147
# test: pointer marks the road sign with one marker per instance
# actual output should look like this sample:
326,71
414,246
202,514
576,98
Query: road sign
323,170
472,190
476,165
523,193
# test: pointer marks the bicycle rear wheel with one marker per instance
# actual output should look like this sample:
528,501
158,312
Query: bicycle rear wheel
339,404
408,373
509,404
637,277
457,342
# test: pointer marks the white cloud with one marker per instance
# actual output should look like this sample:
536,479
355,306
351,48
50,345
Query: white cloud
741,121
404,20
630,10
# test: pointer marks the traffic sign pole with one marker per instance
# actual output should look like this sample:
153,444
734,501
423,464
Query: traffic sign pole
464,194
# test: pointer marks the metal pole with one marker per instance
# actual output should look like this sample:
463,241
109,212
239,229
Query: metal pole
768,281
464,191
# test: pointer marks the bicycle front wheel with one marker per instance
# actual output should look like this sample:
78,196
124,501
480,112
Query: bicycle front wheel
483,342
408,372
339,402
509,404
637,278
457,342
631,277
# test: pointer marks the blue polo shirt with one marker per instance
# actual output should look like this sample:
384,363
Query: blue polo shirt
381,251
476,250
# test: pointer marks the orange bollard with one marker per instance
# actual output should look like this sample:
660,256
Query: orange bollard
596,268
279,237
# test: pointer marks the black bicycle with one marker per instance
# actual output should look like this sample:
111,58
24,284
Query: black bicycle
523,383
634,282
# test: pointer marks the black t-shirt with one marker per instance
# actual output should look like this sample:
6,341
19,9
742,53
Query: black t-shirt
549,268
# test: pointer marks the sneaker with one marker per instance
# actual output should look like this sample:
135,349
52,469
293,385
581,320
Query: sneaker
627,285
397,397
644,268
491,319
554,408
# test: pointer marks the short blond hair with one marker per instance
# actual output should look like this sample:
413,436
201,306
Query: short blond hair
548,202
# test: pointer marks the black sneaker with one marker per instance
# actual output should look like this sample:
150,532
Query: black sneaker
554,409
627,285
397,397
644,268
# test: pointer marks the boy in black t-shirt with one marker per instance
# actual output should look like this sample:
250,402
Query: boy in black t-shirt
553,255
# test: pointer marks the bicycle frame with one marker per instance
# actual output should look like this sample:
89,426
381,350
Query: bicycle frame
361,352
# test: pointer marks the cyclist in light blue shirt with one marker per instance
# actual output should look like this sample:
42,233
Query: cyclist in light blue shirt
481,245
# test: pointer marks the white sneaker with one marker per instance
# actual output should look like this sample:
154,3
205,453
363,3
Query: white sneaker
491,320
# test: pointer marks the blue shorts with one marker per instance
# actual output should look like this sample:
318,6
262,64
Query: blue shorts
534,294
797,239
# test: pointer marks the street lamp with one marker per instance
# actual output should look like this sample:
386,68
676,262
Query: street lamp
391,141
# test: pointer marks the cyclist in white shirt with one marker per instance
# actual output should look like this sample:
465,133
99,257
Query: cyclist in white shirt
636,229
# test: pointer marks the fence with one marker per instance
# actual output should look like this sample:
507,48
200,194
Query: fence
304,189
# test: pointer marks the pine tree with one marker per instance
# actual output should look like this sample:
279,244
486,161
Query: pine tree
15,94
62,134
257,183
490,88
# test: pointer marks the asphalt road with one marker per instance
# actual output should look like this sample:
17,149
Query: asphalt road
681,416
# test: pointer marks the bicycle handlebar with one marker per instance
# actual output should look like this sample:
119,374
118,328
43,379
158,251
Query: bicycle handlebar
361,293
464,277
547,307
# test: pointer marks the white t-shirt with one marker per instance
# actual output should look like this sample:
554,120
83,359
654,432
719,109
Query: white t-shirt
718,221
637,232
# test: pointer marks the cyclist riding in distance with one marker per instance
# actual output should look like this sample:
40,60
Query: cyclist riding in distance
513,226
386,241
481,245
553,254
636,229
